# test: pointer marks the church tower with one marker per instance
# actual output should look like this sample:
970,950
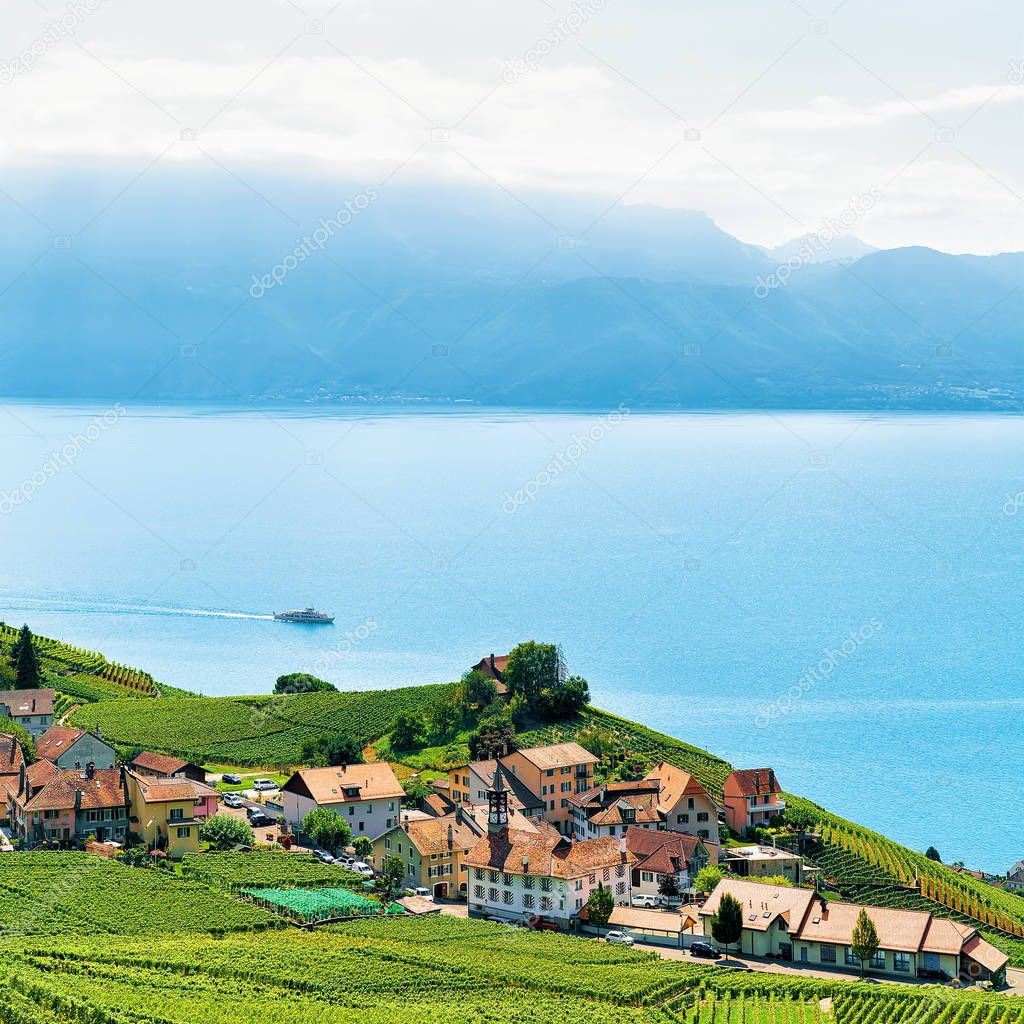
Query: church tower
497,805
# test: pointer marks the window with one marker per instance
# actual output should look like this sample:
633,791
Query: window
689,803
506,879
545,885
566,769
565,803
176,814
851,958
579,904
566,787
527,881
828,954
702,815
478,892
351,810
529,901
620,888
551,806
53,814
391,805
546,903
901,962
478,874
682,819
183,832
579,884
399,848
592,879
620,870
492,876
387,843
544,790
506,896
611,830
362,826
550,772
878,960
703,833
492,895
647,876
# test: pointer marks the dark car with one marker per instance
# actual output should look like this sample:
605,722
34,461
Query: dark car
704,949
231,779
259,818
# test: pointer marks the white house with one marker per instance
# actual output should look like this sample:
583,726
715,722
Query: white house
367,796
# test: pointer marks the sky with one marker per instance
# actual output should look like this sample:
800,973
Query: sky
772,118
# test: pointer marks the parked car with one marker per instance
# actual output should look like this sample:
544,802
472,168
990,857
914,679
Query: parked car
539,924
345,860
423,893
705,950
323,856
263,784
231,779
232,800
619,939
362,868
259,818
643,899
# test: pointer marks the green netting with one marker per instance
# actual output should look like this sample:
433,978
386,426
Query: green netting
318,904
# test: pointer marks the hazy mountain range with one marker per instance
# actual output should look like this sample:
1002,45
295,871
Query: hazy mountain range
159,291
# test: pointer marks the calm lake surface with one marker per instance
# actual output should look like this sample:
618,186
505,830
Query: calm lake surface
838,597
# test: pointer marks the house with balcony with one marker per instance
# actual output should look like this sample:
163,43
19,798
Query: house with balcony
800,926
167,813
367,796
74,748
657,854
752,797
764,862
555,773
615,808
518,875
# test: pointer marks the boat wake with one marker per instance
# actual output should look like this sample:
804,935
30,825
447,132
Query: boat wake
118,608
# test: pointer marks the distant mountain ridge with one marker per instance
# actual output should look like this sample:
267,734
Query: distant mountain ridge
451,294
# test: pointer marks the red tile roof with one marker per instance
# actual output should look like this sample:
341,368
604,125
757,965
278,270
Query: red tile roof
57,740
58,793
374,781
753,782
161,791
545,853
11,756
661,852
159,763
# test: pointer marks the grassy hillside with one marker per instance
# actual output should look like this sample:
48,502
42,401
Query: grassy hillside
254,730
445,970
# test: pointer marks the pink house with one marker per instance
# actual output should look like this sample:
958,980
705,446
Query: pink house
753,797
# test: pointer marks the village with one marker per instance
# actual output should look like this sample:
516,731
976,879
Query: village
528,838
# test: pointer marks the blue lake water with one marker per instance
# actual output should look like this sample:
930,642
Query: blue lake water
838,597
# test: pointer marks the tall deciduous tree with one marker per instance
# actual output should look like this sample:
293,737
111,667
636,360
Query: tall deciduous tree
532,667
864,941
224,832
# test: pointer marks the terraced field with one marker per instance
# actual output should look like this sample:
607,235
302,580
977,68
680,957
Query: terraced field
254,730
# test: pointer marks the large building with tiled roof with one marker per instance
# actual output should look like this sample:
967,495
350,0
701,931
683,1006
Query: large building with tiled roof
31,709
799,925
521,876
555,773
367,796
74,748
752,797
614,808
66,806
686,805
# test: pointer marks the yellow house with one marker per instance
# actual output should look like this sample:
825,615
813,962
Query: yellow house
167,813
432,851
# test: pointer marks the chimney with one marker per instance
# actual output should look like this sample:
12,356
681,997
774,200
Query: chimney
451,836
526,864
492,661
33,703
622,847
458,814
78,800
21,779
90,770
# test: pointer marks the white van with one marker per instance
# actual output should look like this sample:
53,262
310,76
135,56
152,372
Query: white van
264,784
645,900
